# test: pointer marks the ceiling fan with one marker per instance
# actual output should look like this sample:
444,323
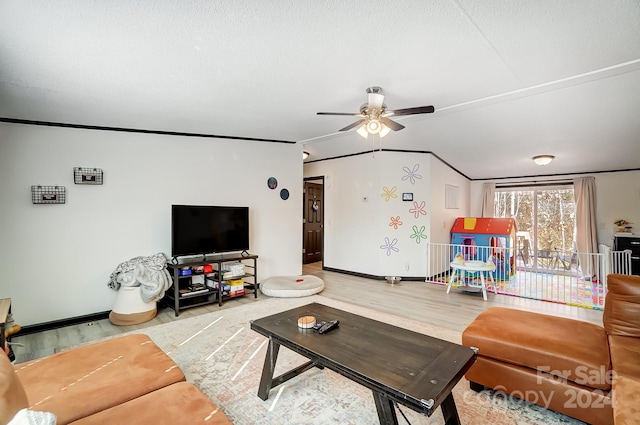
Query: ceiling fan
375,115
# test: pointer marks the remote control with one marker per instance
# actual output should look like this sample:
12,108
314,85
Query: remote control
318,325
328,326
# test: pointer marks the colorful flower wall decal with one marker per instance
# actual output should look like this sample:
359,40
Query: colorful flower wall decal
412,175
418,209
418,234
389,193
390,246
395,222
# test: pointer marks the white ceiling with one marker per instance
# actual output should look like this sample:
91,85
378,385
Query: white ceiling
509,79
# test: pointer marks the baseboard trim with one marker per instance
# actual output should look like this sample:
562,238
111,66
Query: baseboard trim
371,276
56,324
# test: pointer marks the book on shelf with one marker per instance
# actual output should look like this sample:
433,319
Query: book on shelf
193,290
235,285
626,234
193,293
232,270
237,293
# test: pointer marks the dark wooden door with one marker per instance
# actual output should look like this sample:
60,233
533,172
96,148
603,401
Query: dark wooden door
313,223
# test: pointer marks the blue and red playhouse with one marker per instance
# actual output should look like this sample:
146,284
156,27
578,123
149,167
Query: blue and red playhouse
478,238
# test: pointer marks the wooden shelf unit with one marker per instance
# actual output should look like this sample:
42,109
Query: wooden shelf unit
181,301
629,242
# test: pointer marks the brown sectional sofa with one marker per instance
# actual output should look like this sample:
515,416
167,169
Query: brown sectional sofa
583,370
122,380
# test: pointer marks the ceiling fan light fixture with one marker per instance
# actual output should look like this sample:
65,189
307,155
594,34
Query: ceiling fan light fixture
374,126
543,159
376,100
363,131
373,115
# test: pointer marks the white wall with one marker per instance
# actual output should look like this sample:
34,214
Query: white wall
55,260
355,230
617,197
442,218
409,173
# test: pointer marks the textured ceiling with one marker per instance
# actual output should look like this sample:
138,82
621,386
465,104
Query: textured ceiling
509,79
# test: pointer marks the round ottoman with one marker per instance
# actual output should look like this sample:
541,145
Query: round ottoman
291,286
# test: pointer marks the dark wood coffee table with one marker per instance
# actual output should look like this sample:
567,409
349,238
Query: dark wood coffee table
398,365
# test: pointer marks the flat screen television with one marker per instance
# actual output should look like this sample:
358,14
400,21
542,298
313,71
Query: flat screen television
203,229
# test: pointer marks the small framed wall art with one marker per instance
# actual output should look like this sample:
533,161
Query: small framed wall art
407,196
87,175
48,194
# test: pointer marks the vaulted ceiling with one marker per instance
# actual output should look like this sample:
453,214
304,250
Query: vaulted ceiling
509,79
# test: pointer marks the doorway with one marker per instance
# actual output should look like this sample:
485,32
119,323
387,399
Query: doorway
546,225
313,220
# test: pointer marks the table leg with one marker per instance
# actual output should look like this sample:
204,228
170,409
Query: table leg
451,280
267,381
484,286
454,278
386,411
269,367
493,282
449,411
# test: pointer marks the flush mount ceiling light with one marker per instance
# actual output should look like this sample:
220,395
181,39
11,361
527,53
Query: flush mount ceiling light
543,159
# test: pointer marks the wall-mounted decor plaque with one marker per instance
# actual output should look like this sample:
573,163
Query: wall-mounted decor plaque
48,194
87,175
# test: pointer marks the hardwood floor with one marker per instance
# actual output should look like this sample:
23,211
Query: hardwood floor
420,301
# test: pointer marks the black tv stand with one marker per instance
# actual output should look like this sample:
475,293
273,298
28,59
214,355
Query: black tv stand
181,297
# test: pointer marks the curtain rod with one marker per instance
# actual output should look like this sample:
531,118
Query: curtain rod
535,183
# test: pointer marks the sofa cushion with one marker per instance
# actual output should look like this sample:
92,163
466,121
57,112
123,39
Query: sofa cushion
80,382
622,305
177,404
571,349
625,356
590,405
12,395
626,393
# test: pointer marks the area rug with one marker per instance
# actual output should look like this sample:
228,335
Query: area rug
222,356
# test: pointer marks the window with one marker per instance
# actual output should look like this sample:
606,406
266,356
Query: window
546,222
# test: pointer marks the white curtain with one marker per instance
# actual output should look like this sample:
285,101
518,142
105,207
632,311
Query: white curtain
584,189
488,200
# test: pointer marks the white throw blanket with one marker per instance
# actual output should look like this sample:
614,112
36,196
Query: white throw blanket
150,273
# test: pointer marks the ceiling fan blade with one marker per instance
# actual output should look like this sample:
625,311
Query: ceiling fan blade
375,101
391,124
353,125
412,111
352,114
